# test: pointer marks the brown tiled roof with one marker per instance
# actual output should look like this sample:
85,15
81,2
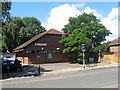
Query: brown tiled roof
115,42
51,31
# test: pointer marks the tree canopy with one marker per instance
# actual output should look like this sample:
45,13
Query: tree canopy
18,30
6,6
104,47
85,28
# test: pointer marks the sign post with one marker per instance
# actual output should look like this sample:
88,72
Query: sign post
84,49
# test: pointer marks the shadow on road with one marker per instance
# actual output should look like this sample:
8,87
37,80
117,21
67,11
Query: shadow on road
28,70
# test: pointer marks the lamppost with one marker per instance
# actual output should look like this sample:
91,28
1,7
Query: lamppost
84,49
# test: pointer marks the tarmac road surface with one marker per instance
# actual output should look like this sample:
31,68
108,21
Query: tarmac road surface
98,78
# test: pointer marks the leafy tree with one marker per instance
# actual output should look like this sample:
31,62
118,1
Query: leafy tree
73,44
5,15
10,33
104,47
32,27
18,30
6,6
85,28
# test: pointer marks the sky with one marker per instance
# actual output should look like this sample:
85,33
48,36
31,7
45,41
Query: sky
56,14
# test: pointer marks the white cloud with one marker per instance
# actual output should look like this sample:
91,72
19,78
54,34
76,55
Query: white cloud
111,21
89,10
59,15
78,5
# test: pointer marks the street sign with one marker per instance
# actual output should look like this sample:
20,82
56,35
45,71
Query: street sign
83,47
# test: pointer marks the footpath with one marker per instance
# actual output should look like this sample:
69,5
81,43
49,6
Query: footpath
101,65
56,68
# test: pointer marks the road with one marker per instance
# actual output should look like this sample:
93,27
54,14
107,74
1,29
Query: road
99,78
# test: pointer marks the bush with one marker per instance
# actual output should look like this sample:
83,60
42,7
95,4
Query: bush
80,61
92,55
87,56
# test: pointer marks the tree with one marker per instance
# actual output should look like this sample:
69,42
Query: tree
104,47
10,33
5,15
73,44
18,30
85,28
6,6
32,27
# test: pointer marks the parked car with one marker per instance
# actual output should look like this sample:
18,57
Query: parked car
11,65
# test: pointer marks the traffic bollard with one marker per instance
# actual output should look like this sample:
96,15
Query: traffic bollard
39,70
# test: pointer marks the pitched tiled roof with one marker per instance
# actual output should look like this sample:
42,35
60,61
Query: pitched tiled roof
115,42
51,31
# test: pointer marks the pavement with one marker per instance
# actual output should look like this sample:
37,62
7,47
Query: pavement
79,67
57,68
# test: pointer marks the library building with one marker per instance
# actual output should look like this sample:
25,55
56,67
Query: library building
43,48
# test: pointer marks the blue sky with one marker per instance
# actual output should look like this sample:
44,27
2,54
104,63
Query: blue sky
49,13
41,10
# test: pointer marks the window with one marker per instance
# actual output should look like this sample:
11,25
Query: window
33,51
41,51
54,51
44,51
50,55
49,51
